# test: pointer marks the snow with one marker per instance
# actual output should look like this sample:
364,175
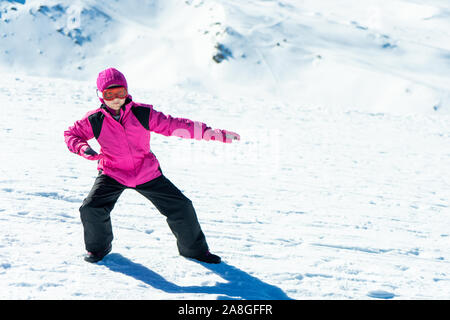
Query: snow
338,188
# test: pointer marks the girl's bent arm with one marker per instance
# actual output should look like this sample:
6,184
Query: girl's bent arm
76,138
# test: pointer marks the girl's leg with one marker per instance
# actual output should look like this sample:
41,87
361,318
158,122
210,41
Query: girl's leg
180,214
95,213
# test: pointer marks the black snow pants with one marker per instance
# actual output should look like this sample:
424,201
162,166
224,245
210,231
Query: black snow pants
165,196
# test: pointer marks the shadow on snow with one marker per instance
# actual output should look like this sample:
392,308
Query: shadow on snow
240,284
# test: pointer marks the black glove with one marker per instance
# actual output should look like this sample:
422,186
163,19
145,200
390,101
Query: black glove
90,152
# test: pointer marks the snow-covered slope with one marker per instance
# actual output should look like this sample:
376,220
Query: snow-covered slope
337,190
311,204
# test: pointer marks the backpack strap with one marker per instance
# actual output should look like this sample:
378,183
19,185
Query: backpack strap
143,115
96,121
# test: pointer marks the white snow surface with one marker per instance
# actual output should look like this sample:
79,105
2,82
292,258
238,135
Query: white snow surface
338,189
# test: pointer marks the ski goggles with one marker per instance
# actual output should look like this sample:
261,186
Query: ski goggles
113,93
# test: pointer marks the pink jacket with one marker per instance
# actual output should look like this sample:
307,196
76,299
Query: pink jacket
125,153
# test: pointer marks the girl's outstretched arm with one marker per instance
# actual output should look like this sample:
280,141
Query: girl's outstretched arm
185,128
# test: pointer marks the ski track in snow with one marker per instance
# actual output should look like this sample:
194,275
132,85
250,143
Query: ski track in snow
312,203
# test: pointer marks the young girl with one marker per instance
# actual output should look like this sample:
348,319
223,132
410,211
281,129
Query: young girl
122,128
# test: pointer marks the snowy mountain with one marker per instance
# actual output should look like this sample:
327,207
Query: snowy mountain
369,56
338,188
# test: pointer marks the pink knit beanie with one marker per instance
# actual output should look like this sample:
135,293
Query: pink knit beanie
108,77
